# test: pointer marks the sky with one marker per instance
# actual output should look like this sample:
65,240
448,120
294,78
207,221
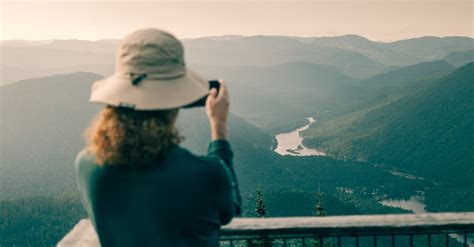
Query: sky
381,20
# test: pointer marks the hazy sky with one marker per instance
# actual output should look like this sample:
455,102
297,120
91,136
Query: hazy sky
383,20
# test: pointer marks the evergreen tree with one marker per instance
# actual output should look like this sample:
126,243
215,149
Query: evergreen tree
318,206
260,208
261,211
319,212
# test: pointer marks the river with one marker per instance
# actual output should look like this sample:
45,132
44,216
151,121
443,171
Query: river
415,204
291,143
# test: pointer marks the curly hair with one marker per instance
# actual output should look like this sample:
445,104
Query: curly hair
121,136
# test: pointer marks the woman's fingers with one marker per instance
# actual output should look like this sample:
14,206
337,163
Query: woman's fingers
212,96
216,96
213,93
217,107
222,90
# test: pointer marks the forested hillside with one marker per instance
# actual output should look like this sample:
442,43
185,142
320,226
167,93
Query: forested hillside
387,86
38,221
428,132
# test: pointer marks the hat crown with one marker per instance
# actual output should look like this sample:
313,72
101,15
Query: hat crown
150,74
150,51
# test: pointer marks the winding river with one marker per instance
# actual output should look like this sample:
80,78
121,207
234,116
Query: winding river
291,143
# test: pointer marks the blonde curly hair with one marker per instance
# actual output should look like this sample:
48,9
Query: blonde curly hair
121,136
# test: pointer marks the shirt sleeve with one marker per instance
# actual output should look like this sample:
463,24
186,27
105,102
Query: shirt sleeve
82,173
231,200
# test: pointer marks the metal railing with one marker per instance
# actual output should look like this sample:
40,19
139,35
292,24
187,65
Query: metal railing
441,229
433,229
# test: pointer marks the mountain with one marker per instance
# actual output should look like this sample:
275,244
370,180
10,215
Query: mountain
408,74
222,37
38,57
460,58
24,43
42,60
278,97
67,56
270,50
283,67
426,132
45,118
388,86
432,48
399,53
103,46
11,74
352,55
377,51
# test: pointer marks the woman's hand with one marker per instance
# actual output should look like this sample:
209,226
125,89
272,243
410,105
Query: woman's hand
217,108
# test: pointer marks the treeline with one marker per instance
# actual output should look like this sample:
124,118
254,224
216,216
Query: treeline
291,202
38,221
319,205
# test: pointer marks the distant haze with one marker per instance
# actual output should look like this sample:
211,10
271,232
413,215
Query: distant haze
374,19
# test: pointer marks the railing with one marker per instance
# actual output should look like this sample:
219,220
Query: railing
434,229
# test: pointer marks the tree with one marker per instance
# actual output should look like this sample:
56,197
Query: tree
261,211
318,213
260,207
318,206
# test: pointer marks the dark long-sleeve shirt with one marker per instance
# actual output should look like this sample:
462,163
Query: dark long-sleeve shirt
181,201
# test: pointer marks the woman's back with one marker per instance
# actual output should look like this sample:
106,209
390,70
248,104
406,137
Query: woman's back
138,186
179,201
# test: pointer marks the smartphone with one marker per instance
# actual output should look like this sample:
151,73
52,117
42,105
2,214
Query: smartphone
214,84
202,101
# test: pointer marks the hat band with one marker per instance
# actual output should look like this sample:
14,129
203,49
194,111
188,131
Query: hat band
153,71
153,75
136,78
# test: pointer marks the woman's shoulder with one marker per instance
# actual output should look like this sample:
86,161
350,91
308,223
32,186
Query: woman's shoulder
197,160
84,160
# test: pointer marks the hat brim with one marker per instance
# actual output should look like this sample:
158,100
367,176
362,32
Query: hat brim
150,94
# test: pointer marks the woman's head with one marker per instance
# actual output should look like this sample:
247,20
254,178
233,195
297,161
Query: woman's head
123,136
150,77
150,74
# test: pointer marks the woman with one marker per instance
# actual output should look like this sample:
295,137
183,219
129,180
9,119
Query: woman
139,187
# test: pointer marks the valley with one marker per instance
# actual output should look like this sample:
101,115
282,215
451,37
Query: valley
291,144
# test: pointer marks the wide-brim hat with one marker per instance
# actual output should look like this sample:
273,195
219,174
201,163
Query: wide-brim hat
150,74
